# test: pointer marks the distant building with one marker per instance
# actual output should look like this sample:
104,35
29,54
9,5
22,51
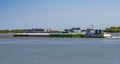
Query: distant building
34,30
48,30
75,30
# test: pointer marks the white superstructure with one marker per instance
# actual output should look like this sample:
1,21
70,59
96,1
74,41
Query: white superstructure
107,35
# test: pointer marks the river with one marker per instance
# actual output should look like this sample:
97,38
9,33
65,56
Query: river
37,50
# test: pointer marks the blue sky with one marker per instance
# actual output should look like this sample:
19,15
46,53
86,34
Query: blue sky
59,14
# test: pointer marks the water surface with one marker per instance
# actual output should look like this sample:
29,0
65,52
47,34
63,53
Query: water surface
32,50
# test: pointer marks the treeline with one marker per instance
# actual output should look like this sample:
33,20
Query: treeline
110,29
12,31
113,29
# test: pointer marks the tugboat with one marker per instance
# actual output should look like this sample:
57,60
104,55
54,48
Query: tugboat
91,33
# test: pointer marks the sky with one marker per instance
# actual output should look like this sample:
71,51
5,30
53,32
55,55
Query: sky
59,14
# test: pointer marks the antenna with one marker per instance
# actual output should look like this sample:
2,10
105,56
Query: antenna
91,26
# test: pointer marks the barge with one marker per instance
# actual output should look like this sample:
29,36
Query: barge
73,35
31,34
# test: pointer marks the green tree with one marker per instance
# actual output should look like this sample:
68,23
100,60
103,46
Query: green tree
113,29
